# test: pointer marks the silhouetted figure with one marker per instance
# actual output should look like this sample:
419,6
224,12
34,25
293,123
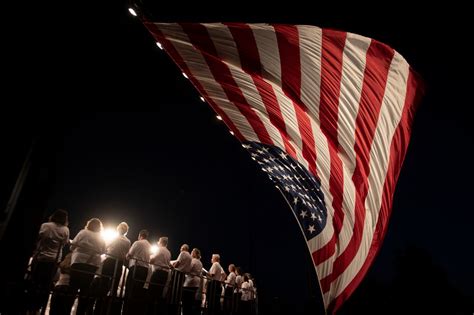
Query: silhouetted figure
52,237
86,248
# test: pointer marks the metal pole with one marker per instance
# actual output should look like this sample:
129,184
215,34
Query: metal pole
114,292
17,190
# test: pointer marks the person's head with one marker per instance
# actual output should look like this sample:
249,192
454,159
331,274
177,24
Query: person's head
231,268
59,217
94,225
238,270
215,258
143,235
196,253
163,241
122,228
246,277
185,248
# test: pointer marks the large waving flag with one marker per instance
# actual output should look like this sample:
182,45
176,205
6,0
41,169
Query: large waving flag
327,115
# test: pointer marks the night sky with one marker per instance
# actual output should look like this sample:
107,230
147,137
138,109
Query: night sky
176,171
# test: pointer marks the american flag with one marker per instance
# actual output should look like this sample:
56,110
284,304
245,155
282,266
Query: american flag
327,114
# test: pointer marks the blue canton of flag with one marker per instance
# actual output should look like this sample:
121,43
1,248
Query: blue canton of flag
300,188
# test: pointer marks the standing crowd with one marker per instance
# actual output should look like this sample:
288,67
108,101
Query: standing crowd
118,277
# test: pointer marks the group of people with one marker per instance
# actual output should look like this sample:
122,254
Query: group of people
154,284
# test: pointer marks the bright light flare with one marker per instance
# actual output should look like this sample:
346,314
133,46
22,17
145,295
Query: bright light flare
202,99
219,117
159,45
108,235
154,249
185,75
132,11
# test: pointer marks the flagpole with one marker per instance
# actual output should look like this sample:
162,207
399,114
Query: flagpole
294,213
11,205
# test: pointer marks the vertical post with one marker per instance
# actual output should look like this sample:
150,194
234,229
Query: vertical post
114,292
16,190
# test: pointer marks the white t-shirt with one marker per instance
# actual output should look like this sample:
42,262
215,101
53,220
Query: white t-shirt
161,260
140,253
119,248
192,279
230,280
52,239
183,263
216,271
88,246
246,291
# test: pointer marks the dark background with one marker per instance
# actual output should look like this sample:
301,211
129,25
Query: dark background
176,170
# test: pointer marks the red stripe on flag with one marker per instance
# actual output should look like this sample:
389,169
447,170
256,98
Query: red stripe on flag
398,150
331,72
289,47
200,39
378,59
173,53
250,61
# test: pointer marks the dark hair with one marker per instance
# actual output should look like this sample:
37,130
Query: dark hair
143,233
59,217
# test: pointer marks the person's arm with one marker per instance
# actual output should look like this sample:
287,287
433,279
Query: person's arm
177,262
76,240
132,250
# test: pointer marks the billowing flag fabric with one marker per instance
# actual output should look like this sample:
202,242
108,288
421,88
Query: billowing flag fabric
326,114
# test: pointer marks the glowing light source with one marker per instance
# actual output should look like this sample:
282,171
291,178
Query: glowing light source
231,132
219,117
154,249
185,75
202,99
108,235
132,11
159,45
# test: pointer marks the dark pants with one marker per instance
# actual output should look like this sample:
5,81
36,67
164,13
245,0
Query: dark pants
175,292
106,283
190,306
81,279
62,300
213,297
245,307
228,294
42,276
155,291
134,291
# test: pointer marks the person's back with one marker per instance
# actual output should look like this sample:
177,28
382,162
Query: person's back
52,237
119,247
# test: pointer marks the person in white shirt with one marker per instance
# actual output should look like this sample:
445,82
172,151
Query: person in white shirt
139,258
181,266
62,298
214,287
160,267
86,248
229,289
215,273
116,255
52,237
192,284
246,296
112,266
183,262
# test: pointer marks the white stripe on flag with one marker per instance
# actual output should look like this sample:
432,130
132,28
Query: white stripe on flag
310,39
220,35
353,66
199,69
267,45
390,115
